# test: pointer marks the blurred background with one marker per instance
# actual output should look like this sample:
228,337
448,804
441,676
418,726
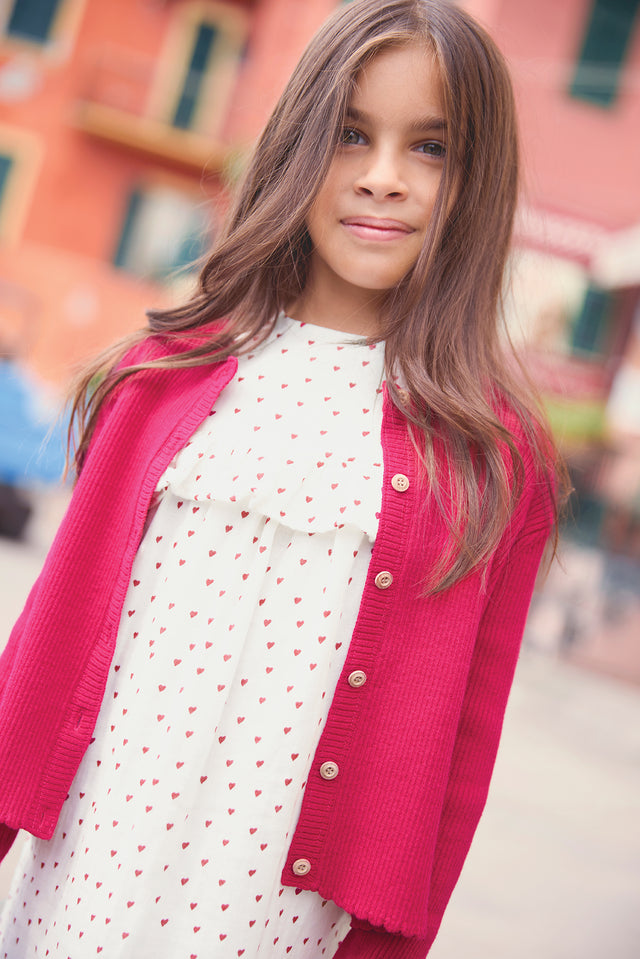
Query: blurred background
123,125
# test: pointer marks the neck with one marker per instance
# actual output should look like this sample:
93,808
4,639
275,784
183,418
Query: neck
337,306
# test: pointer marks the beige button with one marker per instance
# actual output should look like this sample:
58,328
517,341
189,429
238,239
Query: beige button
357,678
329,770
383,580
405,397
301,867
400,482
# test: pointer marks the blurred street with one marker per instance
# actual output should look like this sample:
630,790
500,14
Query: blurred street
554,872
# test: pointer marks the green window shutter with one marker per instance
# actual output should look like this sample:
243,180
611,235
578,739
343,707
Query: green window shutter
609,29
32,19
6,162
590,326
163,232
136,199
190,250
192,87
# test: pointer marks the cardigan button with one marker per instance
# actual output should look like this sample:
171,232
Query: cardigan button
400,482
329,770
383,580
404,396
357,678
301,867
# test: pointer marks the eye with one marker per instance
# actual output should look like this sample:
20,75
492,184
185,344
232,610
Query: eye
351,137
433,148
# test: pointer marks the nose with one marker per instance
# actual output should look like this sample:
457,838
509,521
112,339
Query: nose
381,176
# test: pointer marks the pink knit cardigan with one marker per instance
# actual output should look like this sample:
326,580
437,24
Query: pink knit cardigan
415,744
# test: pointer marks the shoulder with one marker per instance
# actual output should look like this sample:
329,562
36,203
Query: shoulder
167,346
152,380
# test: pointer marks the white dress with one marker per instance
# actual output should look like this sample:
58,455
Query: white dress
243,597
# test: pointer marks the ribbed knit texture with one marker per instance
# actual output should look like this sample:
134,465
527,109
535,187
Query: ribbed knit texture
415,745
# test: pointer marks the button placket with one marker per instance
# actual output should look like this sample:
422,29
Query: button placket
390,552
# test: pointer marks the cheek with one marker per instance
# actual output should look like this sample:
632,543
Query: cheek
319,215
320,221
326,203
315,225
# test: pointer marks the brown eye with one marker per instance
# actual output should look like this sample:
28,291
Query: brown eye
433,148
350,137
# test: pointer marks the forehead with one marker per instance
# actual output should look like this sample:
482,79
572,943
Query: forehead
399,81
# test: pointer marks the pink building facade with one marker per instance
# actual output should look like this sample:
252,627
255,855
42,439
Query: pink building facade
121,125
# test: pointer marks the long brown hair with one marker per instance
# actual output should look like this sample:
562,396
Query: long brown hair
441,322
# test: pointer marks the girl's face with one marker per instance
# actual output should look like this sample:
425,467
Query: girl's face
369,220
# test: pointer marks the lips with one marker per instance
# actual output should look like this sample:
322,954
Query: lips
376,228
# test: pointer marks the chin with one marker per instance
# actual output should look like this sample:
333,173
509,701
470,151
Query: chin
374,284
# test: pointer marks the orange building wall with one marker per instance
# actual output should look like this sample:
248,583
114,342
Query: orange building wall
75,204
280,31
60,297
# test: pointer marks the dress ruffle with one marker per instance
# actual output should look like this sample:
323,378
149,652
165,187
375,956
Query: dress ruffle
300,469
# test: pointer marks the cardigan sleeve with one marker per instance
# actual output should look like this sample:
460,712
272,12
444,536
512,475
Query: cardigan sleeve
490,678
136,354
489,682
7,657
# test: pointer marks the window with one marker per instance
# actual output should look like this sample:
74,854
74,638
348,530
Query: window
32,19
589,333
609,29
197,69
163,231
7,164
194,79
20,160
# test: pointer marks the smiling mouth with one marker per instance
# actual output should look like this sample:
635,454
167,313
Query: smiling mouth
376,228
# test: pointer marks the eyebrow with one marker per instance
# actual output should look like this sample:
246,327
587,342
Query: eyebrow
435,123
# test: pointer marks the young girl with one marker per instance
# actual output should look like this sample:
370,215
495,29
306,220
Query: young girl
254,700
